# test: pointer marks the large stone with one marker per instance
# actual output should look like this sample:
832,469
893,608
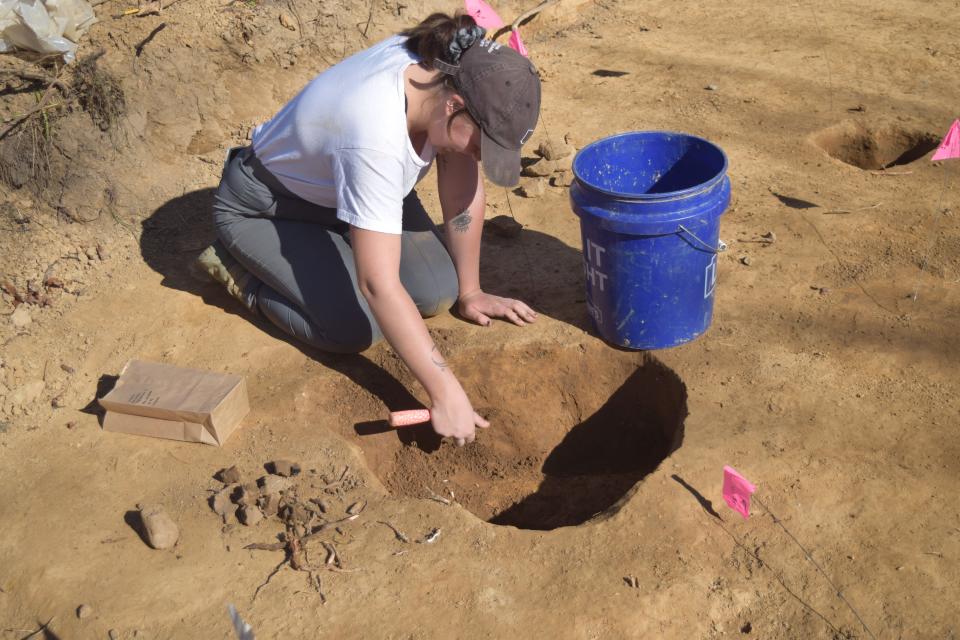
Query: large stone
160,529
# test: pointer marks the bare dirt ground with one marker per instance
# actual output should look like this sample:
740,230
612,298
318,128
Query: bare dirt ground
591,508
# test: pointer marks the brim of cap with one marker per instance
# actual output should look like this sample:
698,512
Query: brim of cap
500,165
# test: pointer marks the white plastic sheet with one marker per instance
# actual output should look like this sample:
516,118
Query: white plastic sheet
44,26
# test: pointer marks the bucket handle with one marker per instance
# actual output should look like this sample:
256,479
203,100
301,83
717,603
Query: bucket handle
721,245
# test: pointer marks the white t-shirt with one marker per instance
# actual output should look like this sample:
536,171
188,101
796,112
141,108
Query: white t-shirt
342,141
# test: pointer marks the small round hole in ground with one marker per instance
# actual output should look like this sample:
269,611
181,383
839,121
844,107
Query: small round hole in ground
877,147
573,430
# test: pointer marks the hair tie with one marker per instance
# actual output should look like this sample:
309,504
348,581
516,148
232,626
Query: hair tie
463,40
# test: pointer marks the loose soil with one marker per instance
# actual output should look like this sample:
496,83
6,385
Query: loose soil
592,506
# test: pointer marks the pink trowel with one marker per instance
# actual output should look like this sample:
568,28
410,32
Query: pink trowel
408,418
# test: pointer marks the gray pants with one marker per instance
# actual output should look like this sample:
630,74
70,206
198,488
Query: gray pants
305,280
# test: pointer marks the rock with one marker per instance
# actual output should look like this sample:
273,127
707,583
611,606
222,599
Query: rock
533,188
554,149
222,503
160,529
58,402
53,282
504,226
228,476
102,252
745,260
21,317
71,425
67,368
250,515
562,179
770,237
84,611
91,253
538,169
287,21
113,634
711,87
272,484
284,468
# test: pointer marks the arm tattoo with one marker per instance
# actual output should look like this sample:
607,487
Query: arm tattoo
461,222
438,359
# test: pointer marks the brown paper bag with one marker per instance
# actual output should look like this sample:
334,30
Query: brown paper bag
165,401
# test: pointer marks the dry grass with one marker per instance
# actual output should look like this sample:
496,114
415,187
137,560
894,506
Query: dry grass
98,92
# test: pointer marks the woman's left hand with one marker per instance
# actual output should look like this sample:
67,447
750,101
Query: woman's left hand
480,307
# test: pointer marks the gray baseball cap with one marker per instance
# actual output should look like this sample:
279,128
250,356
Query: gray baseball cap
501,90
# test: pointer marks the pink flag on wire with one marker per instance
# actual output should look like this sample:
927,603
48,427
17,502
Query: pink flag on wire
483,14
950,147
737,491
517,43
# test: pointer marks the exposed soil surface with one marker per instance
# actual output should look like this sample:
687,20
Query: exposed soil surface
592,506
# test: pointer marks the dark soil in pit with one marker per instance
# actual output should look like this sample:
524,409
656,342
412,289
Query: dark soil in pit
561,449
875,147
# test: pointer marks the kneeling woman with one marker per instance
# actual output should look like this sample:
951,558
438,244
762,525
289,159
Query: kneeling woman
320,228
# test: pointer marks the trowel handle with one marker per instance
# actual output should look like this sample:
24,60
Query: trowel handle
408,418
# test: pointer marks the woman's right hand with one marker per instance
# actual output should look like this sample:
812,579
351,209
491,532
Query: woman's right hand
453,417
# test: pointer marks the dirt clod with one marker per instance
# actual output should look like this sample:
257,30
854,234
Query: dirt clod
21,317
272,484
160,529
539,168
269,503
230,475
554,149
222,503
286,20
284,468
533,188
504,226
250,515
562,179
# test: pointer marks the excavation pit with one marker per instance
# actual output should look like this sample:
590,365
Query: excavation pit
572,432
875,147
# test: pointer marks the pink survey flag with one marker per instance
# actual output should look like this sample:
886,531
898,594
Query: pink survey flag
950,147
737,491
516,43
483,14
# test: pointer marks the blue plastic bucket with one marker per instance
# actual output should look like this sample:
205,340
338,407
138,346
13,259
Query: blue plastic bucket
649,204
